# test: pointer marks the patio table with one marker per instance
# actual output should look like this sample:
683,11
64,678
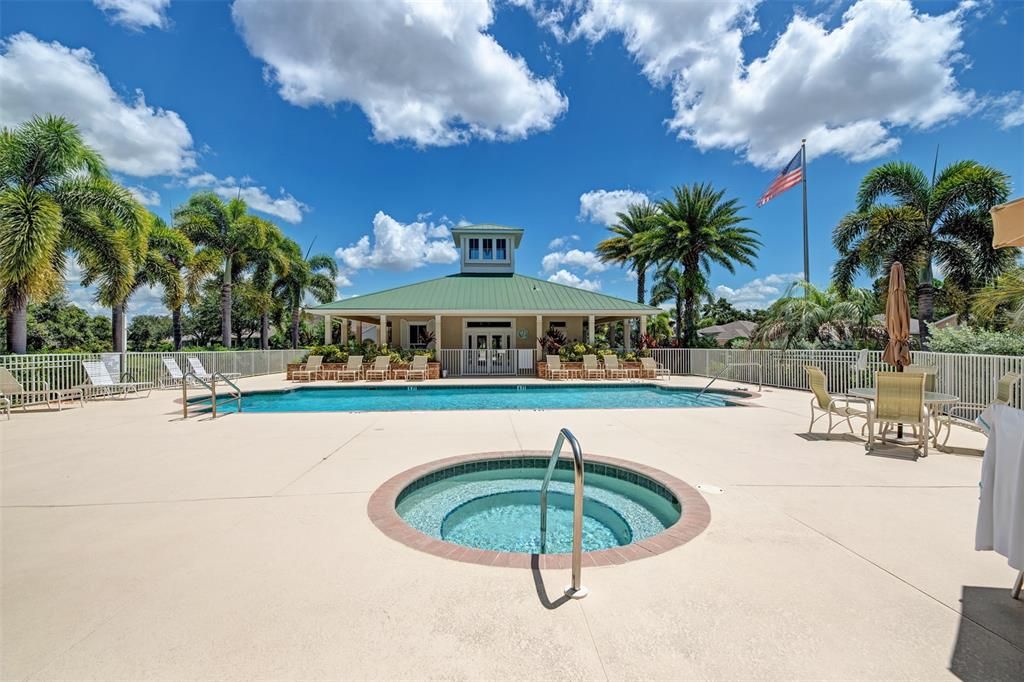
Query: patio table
933,399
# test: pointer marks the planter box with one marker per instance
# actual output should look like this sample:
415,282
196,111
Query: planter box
433,368
577,368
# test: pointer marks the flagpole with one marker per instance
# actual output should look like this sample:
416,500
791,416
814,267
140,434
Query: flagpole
807,263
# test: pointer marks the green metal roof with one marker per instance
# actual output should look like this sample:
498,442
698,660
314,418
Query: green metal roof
486,293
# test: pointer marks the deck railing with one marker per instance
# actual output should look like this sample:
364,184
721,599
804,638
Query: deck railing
64,370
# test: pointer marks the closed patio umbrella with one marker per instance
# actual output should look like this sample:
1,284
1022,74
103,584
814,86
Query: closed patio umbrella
897,320
1008,224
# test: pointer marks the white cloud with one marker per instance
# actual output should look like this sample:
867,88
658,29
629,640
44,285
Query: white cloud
574,258
145,196
846,89
560,242
1008,109
428,72
398,246
602,206
569,279
135,138
284,206
136,14
760,292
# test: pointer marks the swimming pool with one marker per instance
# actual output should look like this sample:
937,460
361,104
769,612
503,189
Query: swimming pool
489,397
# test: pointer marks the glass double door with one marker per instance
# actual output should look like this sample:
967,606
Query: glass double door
489,351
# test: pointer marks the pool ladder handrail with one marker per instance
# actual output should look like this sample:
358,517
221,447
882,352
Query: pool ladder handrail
574,590
729,365
234,392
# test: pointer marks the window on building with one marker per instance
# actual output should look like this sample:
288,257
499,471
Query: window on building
474,249
488,249
418,335
500,249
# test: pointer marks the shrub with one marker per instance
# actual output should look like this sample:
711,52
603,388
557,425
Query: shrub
966,339
331,353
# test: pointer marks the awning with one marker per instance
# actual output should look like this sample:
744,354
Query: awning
1008,224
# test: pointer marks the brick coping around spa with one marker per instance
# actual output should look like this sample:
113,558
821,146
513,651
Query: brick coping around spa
696,515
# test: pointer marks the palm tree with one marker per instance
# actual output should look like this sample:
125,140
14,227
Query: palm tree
312,275
671,287
695,229
270,261
945,221
194,268
821,316
51,187
229,230
625,248
1006,292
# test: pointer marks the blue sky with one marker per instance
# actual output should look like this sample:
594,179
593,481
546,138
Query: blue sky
368,129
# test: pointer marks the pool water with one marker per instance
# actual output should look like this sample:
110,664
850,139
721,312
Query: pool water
499,509
505,397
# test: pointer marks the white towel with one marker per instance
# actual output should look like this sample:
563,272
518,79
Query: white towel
1001,506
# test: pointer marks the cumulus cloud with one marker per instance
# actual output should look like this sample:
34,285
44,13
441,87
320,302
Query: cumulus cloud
284,206
574,258
398,246
560,242
569,279
136,14
145,196
134,137
847,89
760,292
1008,109
428,72
602,206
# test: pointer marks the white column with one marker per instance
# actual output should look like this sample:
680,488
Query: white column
359,332
437,335
643,325
382,332
328,329
540,333
344,331
590,329
627,335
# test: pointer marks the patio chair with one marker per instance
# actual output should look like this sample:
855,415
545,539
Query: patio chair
961,413
381,368
555,369
652,370
11,390
101,383
197,368
174,375
591,368
418,369
899,400
930,373
614,369
309,370
824,402
353,368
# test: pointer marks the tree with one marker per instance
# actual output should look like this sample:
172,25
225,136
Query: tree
227,229
943,221
56,325
820,316
270,261
625,248
671,287
1005,295
51,187
194,268
148,332
696,228
720,311
310,275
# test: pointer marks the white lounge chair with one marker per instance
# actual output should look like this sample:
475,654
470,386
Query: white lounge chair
555,369
591,368
381,368
11,390
418,368
614,369
174,376
353,368
101,383
197,368
652,370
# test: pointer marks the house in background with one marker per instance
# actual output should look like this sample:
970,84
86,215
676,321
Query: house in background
724,333
485,319
915,324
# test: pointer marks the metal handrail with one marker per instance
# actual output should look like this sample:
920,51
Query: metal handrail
729,365
575,590
212,388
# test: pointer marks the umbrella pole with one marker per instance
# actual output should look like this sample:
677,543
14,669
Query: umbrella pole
899,427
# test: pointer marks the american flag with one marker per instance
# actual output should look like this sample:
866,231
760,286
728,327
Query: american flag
790,177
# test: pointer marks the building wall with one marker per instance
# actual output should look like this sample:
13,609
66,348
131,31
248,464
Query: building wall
452,333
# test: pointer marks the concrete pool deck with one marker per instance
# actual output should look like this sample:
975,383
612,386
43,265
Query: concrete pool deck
138,546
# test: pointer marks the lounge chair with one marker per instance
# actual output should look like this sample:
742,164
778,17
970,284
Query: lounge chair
353,368
963,414
310,369
197,368
11,390
174,375
591,368
418,369
827,404
101,383
381,368
614,369
899,400
652,370
555,369
930,373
